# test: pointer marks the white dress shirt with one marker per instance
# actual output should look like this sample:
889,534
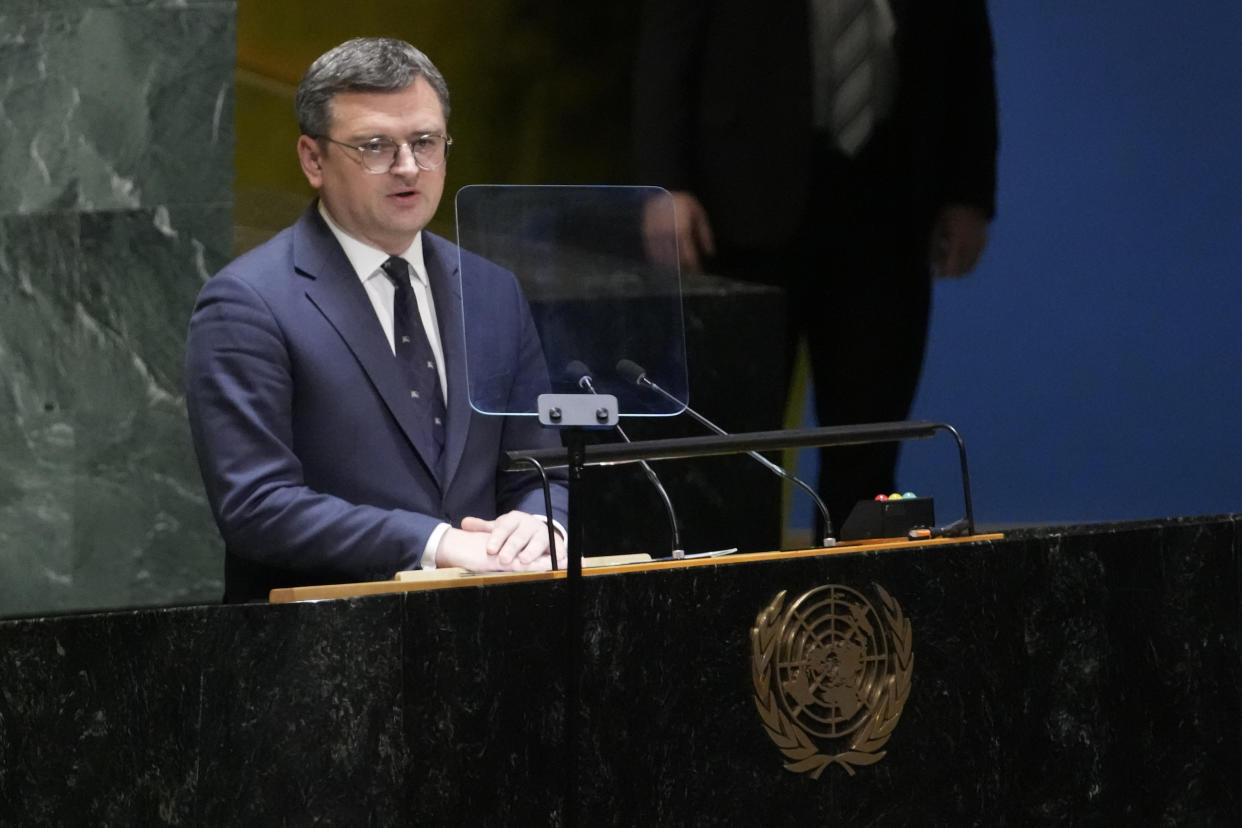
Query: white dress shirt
366,261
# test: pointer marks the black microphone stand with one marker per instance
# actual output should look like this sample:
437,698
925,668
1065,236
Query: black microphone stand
582,373
635,374
574,415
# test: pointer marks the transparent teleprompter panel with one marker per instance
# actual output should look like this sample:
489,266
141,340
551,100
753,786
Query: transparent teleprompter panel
598,268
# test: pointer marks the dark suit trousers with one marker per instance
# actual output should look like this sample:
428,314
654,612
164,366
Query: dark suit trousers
856,279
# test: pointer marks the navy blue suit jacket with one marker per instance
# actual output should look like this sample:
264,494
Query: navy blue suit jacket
301,420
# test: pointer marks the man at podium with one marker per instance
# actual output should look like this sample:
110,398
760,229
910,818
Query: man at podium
326,369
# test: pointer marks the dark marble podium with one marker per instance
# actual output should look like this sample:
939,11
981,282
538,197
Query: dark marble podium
1085,676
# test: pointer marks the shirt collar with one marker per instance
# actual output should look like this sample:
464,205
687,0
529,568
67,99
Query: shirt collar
366,260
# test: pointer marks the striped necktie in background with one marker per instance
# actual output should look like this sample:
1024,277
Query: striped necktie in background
854,74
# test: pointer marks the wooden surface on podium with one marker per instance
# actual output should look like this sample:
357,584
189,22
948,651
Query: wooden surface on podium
418,580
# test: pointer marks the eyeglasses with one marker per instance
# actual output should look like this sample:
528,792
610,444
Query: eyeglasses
380,154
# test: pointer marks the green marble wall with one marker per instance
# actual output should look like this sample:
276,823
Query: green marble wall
116,140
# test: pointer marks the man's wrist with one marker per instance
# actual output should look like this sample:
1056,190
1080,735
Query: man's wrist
432,547
561,534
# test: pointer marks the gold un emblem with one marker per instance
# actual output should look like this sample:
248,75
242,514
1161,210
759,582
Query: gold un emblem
831,676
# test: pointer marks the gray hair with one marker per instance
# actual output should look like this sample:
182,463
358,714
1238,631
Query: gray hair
364,64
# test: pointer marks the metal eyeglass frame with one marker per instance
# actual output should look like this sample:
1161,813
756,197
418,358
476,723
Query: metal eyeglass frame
365,149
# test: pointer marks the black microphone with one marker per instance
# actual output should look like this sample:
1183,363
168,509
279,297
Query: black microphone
634,373
581,374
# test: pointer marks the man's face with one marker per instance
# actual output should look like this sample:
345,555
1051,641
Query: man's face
388,209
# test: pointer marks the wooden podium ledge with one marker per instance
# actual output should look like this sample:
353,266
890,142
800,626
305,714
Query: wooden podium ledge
420,580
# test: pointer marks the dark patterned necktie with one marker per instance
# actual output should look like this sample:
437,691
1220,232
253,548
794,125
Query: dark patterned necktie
417,360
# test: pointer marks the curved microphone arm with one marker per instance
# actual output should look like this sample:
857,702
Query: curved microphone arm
547,507
583,373
664,498
635,374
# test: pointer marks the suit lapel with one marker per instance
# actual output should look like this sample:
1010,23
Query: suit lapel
334,288
442,271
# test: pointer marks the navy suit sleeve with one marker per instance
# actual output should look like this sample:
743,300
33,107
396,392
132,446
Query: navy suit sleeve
240,396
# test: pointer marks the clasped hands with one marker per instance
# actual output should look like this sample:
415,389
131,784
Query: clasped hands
513,542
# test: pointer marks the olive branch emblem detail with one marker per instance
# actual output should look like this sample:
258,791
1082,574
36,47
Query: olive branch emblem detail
829,668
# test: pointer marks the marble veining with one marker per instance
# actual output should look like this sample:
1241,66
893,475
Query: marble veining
1061,677
115,206
108,107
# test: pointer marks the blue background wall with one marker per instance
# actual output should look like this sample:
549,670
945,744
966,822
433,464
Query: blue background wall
1092,361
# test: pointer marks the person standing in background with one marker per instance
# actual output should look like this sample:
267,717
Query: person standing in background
844,150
